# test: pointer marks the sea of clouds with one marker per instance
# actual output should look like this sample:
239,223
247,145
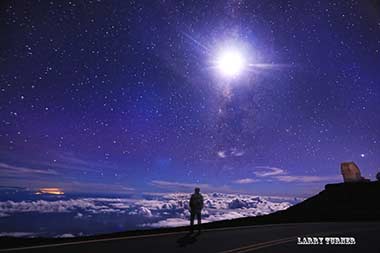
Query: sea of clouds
149,211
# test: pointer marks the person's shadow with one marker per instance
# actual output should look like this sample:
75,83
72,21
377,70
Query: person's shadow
189,238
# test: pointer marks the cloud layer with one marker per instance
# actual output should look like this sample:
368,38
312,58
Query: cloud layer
281,175
159,210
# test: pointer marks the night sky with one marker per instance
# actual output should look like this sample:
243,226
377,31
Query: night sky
128,96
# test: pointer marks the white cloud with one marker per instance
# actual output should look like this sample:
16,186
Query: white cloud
177,185
282,176
43,206
245,181
170,222
65,236
218,206
11,169
159,210
143,211
231,152
268,171
18,234
307,179
189,187
79,215
221,154
236,152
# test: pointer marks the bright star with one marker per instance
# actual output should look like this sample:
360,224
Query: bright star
230,62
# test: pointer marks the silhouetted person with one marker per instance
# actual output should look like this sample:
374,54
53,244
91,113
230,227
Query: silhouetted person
196,205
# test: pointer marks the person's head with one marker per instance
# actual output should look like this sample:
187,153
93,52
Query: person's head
197,190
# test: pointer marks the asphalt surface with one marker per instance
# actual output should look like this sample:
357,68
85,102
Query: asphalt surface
264,238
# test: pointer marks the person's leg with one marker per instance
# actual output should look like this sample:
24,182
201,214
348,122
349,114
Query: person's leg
192,214
199,218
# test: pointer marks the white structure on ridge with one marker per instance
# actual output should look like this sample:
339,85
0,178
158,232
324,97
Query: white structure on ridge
351,172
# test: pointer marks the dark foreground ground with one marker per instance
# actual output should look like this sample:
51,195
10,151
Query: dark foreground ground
258,238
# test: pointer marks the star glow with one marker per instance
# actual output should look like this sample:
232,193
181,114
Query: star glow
230,63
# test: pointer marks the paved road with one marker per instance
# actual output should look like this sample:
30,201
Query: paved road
265,238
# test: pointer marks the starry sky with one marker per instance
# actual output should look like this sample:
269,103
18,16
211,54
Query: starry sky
124,96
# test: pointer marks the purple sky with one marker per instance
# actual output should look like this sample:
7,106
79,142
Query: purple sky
122,96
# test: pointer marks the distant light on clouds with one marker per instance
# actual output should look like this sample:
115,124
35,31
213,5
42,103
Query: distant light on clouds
53,191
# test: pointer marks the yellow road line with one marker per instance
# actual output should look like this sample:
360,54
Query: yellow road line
89,241
267,245
257,244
